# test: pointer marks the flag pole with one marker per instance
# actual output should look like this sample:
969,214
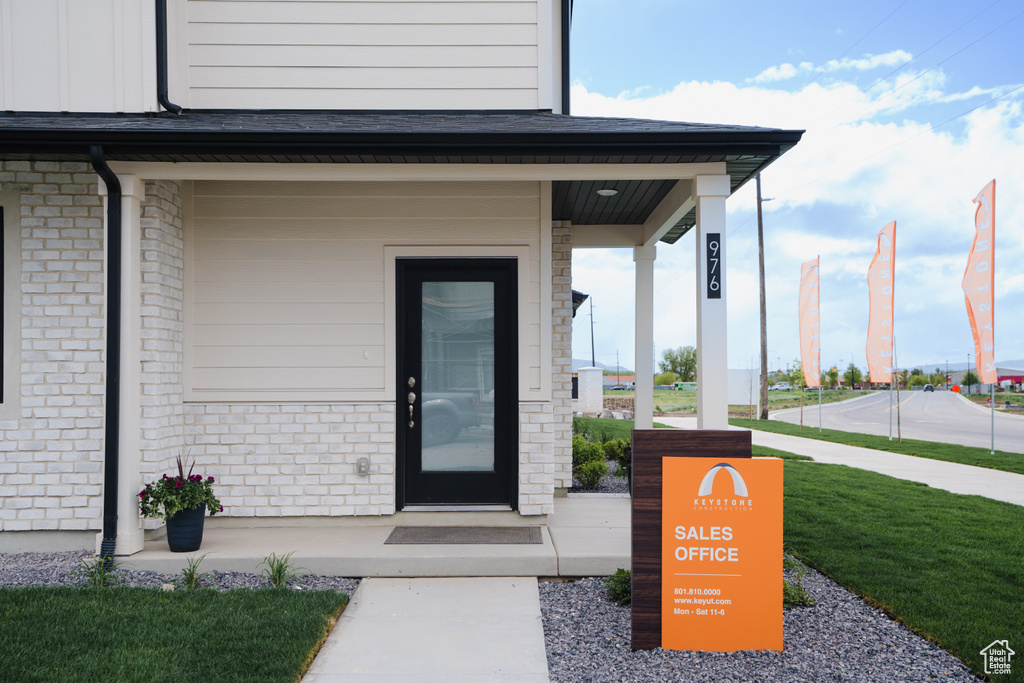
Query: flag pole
992,402
891,374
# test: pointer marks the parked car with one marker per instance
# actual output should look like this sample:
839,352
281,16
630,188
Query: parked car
781,386
445,414
618,387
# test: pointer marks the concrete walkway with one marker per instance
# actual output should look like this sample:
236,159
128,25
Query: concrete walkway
440,630
950,476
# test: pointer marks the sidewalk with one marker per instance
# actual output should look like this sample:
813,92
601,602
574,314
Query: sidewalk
440,630
950,476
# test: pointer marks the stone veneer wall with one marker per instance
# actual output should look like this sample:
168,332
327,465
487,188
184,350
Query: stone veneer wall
561,352
51,456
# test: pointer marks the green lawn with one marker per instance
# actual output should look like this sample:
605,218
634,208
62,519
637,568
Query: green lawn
598,429
950,567
138,634
980,457
672,401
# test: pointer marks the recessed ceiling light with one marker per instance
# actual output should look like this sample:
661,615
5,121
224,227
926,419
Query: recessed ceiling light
608,192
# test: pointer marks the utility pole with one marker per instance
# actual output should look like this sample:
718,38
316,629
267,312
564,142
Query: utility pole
593,357
764,313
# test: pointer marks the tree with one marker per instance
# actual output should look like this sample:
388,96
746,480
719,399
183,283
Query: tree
833,376
796,374
666,378
852,375
969,379
681,361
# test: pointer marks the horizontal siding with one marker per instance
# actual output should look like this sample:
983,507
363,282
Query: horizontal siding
326,12
365,78
380,35
286,287
355,56
335,54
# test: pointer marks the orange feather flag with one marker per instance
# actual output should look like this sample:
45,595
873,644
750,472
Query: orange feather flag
979,282
881,281
810,332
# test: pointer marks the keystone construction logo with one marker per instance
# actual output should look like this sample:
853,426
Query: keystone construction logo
739,487
741,501
997,657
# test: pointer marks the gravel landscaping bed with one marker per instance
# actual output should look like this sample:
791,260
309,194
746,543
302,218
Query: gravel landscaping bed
841,638
66,569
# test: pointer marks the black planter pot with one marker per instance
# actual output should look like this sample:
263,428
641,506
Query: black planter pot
185,530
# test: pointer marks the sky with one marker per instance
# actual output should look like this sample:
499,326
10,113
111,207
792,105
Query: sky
910,107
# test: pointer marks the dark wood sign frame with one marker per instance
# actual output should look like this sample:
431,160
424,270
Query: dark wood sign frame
649,447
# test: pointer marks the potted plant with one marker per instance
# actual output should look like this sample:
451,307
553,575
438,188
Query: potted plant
182,502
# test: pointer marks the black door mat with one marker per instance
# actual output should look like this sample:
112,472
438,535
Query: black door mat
465,535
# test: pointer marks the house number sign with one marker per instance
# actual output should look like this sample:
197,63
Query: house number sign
713,265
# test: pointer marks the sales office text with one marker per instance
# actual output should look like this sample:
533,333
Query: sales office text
701,553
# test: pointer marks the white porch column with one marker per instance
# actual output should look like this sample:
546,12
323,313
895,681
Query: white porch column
643,405
129,525
712,356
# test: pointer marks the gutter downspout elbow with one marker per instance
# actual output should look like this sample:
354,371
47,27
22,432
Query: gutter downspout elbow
161,58
112,423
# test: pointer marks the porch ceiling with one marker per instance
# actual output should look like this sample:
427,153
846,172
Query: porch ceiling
422,137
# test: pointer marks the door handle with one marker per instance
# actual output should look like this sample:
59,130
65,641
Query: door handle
412,399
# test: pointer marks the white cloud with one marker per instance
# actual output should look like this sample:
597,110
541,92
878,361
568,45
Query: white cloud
867,62
786,70
776,73
857,168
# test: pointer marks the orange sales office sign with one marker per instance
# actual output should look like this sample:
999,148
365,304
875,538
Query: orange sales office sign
721,557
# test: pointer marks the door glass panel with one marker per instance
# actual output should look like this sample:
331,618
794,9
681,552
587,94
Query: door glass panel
458,376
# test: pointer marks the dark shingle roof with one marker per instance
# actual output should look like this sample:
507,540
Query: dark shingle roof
412,137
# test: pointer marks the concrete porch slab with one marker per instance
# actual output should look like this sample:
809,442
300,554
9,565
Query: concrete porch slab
592,534
587,536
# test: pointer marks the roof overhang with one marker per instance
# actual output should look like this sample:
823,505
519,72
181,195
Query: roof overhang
642,160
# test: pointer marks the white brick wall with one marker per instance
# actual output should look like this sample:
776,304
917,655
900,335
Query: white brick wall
163,416
50,456
561,352
296,459
536,458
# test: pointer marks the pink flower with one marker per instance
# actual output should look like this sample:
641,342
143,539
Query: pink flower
178,484
209,479
222,508
142,493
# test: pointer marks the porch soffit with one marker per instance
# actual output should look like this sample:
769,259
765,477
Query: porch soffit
640,159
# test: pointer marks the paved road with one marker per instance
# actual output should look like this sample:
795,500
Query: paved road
933,416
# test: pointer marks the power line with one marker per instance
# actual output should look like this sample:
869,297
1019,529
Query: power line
925,72
904,141
907,63
860,40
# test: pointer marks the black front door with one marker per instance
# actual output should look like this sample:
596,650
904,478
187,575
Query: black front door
457,413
